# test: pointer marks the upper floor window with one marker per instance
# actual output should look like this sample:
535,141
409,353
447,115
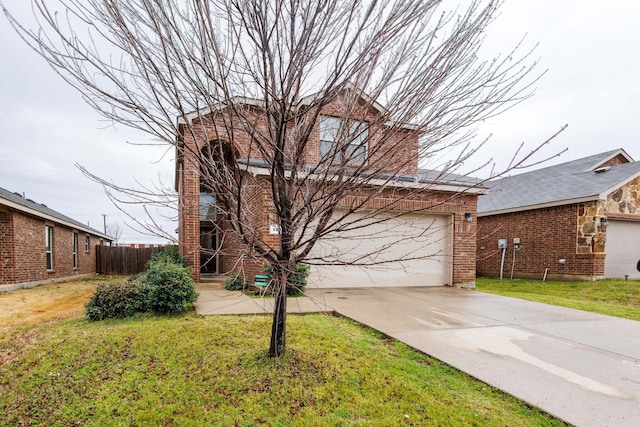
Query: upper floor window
207,207
341,144
48,243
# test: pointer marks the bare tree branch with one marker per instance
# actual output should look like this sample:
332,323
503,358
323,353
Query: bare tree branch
322,108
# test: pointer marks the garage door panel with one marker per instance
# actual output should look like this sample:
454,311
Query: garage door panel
622,249
422,242
339,276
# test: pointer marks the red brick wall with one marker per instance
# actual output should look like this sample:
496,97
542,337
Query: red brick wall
7,261
30,255
26,260
189,213
547,236
464,232
234,256
400,155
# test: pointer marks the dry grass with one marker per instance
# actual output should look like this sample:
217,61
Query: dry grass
24,309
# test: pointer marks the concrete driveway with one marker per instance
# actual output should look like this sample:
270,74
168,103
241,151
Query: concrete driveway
581,367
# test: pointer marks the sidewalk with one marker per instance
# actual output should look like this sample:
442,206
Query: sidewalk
214,299
581,367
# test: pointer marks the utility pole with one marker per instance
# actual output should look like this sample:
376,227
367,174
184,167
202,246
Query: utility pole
104,218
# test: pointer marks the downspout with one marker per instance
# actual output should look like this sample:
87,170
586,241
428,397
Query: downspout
513,261
504,251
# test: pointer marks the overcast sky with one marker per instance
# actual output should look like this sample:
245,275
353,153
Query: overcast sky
589,48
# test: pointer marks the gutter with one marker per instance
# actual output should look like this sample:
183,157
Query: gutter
380,182
540,205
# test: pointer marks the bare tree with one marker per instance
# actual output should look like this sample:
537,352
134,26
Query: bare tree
115,230
264,72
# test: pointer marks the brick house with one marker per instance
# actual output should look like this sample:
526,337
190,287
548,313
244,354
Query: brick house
576,220
40,245
450,211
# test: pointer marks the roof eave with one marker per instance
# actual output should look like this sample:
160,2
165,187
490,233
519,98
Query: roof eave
33,212
445,187
540,205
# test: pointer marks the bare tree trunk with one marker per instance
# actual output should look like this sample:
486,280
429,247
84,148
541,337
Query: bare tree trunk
278,327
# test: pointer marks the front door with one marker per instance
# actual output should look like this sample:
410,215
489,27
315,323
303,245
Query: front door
208,246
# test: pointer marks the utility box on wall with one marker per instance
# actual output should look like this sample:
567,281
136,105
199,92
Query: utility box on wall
502,243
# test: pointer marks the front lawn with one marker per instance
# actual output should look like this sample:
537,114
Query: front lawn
620,298
191,371
24,309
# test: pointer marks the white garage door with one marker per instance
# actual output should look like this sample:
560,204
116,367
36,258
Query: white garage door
422,242
622,249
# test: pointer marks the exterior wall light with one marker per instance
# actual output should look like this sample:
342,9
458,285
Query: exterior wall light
468,217
604,221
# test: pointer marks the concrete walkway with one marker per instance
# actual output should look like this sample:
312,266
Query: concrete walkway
581,367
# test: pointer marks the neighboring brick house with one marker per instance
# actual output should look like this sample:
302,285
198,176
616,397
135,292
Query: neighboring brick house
38,244
576,220
453,199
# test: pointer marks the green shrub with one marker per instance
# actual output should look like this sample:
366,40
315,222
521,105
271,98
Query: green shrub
170,253
298,278
118,300
297,281
166,287
235,282
172,288
139,277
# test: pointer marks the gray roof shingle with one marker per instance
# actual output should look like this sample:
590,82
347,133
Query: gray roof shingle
559,184
45,211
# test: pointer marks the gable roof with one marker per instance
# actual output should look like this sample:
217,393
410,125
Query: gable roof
576,181
347,87
304,101
17,202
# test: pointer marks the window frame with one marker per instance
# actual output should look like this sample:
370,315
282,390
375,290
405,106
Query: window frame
48,245
358,135
74,248
207,207
87,243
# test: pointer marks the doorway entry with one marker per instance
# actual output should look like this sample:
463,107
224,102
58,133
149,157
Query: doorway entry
208,249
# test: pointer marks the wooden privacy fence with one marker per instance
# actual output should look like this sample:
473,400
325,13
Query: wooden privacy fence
122,260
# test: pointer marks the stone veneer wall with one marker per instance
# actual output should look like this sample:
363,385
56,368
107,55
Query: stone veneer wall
625,200
622,203
591,236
